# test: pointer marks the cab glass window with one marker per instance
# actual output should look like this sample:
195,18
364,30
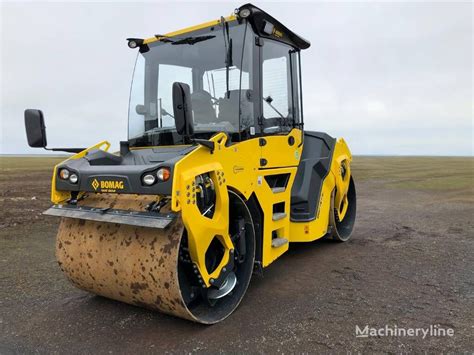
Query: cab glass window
275,80
167,75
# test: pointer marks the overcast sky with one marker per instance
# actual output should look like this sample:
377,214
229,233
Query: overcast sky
391,78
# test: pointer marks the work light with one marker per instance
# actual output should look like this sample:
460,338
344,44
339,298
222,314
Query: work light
149,179
73,178
244,13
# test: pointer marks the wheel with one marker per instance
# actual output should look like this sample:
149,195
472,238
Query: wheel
211,305
342,229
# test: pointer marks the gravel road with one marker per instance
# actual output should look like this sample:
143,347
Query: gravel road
410,264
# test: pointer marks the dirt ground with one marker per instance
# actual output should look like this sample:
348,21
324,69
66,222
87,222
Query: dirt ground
410,264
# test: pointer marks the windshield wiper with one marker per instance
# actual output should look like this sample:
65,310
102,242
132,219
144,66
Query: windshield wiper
186,40
166,113
163,38
269,101
192,40
228,53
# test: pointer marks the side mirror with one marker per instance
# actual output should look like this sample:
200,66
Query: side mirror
183,115
35,128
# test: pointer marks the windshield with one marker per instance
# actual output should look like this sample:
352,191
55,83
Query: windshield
215,63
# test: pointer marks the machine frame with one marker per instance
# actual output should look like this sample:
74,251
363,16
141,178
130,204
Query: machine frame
296,186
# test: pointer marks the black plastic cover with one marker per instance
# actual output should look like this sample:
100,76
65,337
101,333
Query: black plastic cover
35,128
99,172
314,166
100,157
262,23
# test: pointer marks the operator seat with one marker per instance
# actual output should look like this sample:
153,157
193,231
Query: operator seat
229,108
202,107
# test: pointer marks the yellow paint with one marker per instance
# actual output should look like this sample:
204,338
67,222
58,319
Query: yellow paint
279,153
236,166
190,29
341,154
267,199
277,33
201,229
62,196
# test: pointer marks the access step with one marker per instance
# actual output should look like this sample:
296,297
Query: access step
277,190
278,216
278,242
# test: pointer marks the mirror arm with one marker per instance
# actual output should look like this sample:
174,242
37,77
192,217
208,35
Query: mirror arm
205,143
67,150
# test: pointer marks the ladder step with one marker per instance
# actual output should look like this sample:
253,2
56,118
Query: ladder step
276,190
278,242
278,215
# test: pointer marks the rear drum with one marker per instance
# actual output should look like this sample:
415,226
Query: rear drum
342,229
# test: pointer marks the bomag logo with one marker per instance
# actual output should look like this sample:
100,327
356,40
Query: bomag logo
95,184
108,185
277,33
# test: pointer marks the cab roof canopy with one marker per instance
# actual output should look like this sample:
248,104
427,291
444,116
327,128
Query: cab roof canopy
268,27
262,23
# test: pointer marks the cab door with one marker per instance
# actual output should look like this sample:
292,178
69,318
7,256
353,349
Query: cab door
280,111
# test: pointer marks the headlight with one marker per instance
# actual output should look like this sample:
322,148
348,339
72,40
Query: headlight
73,178
163,174
148,179
134,42
64,174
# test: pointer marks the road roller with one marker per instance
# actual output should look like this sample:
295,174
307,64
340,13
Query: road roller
216,179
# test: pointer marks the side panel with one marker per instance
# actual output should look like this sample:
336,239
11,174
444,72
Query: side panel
314,166
281,151
317,228
237,167
269,201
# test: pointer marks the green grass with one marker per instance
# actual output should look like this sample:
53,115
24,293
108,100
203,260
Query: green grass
427,173
13,164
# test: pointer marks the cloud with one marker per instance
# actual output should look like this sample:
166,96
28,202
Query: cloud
391,78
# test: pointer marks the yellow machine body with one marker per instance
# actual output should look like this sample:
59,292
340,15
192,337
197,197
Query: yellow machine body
266,182
237,168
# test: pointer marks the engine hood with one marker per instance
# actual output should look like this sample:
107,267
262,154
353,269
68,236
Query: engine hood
100,171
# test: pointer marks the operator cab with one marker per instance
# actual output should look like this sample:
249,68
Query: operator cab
243,73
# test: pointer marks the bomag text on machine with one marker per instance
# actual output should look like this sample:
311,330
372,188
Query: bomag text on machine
216,179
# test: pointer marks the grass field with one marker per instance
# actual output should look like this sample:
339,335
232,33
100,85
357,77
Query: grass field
453,173
408,263
432,173
16,165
